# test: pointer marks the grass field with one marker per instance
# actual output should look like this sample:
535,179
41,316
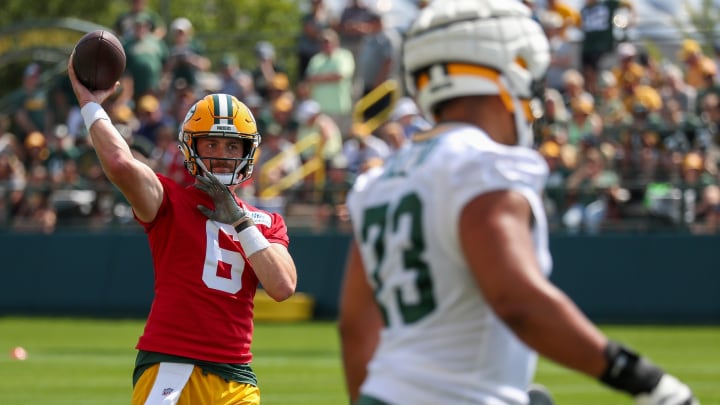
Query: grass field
84,361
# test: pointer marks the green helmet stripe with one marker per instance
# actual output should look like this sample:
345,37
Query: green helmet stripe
222,107
228,100
216,108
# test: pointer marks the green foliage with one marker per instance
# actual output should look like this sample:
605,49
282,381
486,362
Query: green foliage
223,26
704,18
231,26
89,361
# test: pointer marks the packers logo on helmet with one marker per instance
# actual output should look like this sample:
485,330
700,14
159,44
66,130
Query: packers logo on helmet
219,115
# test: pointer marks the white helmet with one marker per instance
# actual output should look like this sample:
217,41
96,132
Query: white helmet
458,48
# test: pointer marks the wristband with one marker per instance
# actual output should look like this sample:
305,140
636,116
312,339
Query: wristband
92,112
243,224
627,371
252,241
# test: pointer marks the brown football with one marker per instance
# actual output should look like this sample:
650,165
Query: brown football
99,60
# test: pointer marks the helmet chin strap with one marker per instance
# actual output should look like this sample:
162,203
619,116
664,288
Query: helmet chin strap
228,179
523,125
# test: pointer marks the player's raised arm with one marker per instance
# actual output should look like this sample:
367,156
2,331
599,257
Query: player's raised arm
136,180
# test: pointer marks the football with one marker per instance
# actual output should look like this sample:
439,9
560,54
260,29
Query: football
99,60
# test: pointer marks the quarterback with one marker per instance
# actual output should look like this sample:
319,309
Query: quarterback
446,298
210,251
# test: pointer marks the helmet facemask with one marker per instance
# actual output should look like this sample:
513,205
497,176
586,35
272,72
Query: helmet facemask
241,167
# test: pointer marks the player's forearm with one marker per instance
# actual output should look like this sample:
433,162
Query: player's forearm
556,328
110,147
355,374
357,348
276,271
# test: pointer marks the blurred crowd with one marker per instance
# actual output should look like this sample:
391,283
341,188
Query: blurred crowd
631,136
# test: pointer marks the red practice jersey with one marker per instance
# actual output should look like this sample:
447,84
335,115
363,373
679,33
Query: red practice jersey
204,285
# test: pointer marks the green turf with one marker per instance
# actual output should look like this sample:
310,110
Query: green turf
81,361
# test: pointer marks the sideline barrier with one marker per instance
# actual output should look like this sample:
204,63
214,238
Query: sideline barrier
657,278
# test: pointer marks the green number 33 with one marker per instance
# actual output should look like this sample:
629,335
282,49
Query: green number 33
396,235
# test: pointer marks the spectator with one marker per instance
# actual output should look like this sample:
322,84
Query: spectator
378,58
64,111
151,118
354,25
330,73
32,114
695,179
696,63
653,69
677,204
555,196
709,134
569,15
639,140
675,88
186,59
574,86
408,115
278,149
12,179
234,80
124,25
716,57
675,127
279,87
312,121
585,125
707,212
610,106
164,150
556,116
562,54
146,56
362,146
591,188
37,151
178,105
310,39
627,69
598,36
710,84
35,212
394,136
282,111
266,69
332,214
634,92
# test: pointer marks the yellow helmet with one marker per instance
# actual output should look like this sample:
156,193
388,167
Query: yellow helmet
219,115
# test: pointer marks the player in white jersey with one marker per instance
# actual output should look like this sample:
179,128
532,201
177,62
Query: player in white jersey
446,298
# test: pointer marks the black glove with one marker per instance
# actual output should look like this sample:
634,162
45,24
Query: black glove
227,211
648,384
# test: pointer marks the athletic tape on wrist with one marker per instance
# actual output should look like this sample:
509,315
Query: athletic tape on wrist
252,241
628,371
92,112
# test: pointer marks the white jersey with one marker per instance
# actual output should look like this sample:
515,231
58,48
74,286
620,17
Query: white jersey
441,343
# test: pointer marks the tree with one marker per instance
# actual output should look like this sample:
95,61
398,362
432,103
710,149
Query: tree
222,25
